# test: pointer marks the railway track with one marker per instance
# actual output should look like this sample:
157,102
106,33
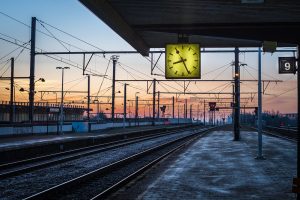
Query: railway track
280,133
99,183
28,165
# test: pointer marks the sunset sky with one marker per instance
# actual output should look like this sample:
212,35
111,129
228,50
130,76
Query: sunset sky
73,18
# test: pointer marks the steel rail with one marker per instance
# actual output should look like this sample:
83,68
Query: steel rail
135,174
63,187
278,135
44,161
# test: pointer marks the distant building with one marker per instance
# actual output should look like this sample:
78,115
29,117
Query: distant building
42,112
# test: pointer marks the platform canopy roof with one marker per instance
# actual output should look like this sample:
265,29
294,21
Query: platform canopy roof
146,24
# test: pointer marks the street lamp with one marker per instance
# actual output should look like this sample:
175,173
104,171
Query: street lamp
40,79
98,115
62,97
24,90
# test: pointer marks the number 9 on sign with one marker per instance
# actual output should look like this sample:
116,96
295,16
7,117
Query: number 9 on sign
287,65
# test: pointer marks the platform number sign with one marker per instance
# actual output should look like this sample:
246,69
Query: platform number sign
287,65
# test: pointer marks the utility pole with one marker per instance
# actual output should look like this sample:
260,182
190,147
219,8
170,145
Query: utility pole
62,98
204,113
233,104
88,97
125,97
173,105
198,113
191,111
178,112
12,91
114,59
153,103
136,109
185,108
259,111
237,96
158,104
32,69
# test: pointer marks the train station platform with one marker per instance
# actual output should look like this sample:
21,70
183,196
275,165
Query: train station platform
19,147
216,167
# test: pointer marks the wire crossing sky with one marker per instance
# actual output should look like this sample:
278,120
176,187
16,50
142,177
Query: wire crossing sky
68,26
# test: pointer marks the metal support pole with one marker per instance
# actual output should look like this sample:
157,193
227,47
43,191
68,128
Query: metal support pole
32,69
62,103
136,109
233,103
259,111
185,111
204,113
11,108
89,98
191,110
197,113
178,113
124,112
153,104
173,107
237,95
62,98
298,117
245,114
115,59
158,104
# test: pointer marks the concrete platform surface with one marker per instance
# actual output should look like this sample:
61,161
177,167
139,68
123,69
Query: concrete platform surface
31,140
215,167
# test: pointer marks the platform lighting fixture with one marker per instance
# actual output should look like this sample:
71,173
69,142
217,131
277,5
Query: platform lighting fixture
62,97
24,90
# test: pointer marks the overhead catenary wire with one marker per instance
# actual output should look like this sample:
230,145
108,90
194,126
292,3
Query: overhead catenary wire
53,35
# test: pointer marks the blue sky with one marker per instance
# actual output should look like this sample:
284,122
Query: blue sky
72,17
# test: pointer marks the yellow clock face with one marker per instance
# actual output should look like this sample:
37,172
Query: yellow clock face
182,61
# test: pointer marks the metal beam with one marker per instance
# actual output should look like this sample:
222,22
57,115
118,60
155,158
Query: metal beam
18,77
196,80
136,52
228,93
70,91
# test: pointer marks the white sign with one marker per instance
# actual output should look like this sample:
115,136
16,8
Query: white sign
54,110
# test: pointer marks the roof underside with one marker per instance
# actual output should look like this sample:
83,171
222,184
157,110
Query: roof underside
146,24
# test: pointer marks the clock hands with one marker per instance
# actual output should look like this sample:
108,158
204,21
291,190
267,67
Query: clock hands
185,66
181,60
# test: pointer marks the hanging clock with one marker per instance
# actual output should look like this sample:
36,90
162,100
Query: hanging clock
182,61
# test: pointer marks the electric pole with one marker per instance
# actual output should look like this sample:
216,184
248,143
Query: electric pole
237,96
32,69
88,97
114,58
12,91
153,103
